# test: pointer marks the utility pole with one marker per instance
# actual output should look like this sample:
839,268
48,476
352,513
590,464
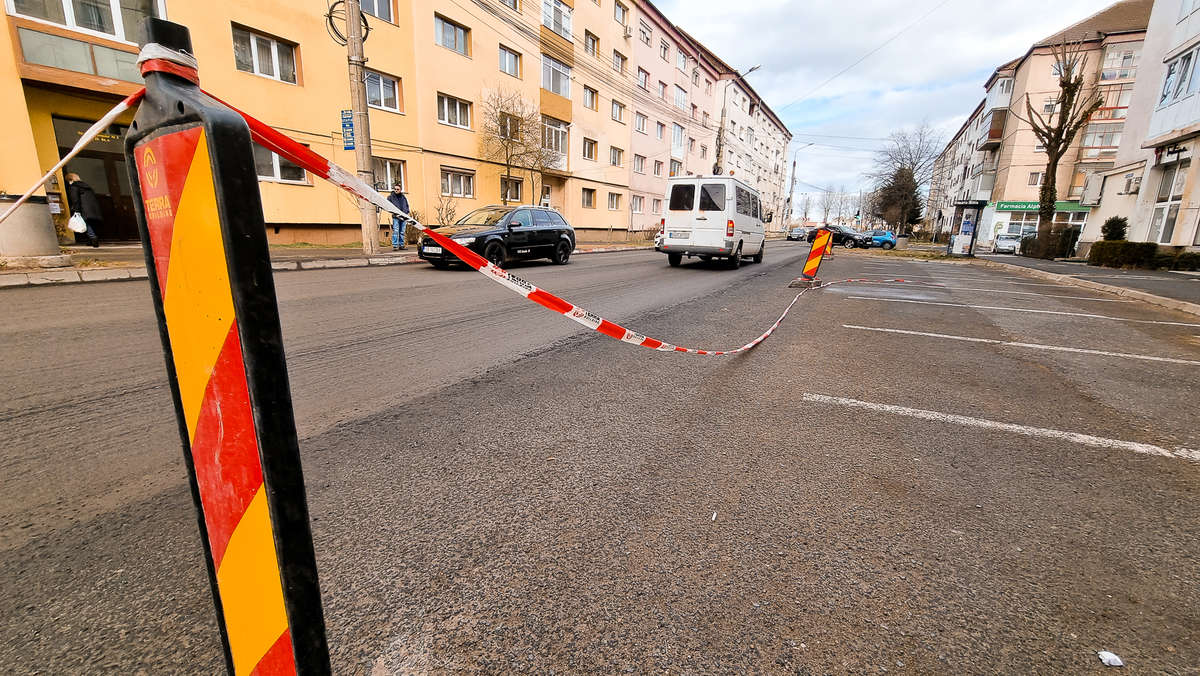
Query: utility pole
787,212
362,123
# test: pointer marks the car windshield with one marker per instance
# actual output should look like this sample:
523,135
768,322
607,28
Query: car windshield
484,216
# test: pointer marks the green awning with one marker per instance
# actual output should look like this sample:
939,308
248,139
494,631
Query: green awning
1033,206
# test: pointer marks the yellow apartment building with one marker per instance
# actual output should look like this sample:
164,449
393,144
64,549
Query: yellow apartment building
432,65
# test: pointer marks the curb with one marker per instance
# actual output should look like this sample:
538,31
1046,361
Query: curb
1134,294
56,277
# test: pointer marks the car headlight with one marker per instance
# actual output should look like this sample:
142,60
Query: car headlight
465,241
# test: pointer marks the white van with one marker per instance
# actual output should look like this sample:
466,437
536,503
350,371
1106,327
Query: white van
713,217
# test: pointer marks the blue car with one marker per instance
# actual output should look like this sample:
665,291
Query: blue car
882,238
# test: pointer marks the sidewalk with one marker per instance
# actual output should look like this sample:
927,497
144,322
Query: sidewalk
1175,285
126,261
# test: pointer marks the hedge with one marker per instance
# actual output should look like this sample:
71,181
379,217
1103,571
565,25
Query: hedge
1123,254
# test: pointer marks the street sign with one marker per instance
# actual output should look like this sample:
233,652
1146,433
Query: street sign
347,130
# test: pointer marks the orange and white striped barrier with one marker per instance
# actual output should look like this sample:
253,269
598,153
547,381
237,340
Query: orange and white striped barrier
821,242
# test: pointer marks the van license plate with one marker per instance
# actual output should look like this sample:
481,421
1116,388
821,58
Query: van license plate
679,235
433,249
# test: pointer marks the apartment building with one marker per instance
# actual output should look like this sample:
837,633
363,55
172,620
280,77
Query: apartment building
995,185
432,67
1154,182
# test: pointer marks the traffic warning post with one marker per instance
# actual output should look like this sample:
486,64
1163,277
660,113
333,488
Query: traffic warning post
822,242
200,217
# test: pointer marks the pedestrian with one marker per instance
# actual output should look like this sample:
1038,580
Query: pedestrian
399,223
81,199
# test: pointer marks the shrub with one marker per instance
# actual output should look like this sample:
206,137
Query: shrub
1188,261
1163,261
1114,228
1121,254
1058,243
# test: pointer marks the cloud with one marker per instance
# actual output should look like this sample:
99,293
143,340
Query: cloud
933,72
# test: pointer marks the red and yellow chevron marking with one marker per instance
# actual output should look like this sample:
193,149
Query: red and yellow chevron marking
193,280
820,244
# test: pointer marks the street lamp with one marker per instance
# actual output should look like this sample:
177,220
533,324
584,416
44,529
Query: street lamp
720,154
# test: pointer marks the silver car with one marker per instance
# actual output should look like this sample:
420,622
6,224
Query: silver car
1006,243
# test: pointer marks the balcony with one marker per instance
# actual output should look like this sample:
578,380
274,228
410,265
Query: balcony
993,133
982,187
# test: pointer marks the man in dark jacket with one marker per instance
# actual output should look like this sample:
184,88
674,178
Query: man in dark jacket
398,199
81,199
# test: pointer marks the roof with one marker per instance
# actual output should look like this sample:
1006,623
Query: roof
723,68
1010,66
1124,16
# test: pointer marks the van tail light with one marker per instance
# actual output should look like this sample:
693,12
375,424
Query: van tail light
729,229
662,223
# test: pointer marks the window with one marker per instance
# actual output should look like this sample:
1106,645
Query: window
454,112
547,193
696,78
614,201
383,92
677,140
645,33
1036,177
619,61
639,122
591,43
556,15
381,9
554,135
662,89
254,53
659,130
621,13
589,198
691,145
708,87
705,118
1101,140
1049,105
1179,78
618,111
712,197
271,167
681,60
639,164
450,35
658,167
456,183
745,201
97,16
616,156
664,50
556,76
510,61
681,98
509,126
695,111
636,202
591,98
589,149
683,198
1121,61
511,4
1167,202
703,152
676,167
388,173
643,79
656,206
510,189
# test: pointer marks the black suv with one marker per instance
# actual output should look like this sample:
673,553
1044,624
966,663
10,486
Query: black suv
503,234
843,235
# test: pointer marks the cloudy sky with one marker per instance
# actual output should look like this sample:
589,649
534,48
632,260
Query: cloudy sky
934,71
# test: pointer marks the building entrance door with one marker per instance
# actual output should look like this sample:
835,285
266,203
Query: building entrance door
101,166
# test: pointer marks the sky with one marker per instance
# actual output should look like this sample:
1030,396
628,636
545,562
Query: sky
934,71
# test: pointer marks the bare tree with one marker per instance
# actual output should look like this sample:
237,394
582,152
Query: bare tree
1077,102
916,150
447,210
828,204
511,134
805,206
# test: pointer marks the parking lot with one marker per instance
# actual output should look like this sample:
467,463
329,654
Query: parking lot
970,471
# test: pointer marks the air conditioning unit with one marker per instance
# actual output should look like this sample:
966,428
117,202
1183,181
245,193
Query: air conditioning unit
628,32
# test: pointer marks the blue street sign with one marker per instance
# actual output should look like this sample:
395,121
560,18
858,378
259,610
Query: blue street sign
347,130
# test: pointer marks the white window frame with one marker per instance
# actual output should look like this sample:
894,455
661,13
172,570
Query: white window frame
646,33
514,58
639,164
439,32
374,9
460,105
384,79
256,66
584,198
551,66
591,43
278,174
593,96
618,111
119,33
636,203
681,59
643,79
656,206
639,122
557,11
620,13
658,167
620,62
506,185
681,98
614,201
593,145
616,156
392,177
465,179
555,135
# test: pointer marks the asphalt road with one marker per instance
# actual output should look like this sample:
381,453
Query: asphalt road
495,489
1178,285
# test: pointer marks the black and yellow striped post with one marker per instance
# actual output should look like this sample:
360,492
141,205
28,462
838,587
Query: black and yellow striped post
200,217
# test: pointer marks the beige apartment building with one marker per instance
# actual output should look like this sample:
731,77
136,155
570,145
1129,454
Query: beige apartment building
990,176
432,65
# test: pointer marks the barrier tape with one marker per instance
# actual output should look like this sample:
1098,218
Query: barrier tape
302,156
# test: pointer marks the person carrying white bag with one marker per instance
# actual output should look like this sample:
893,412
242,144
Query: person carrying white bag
84,207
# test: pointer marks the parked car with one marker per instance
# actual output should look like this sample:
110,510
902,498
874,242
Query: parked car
1006,243
844,236
713,217
504,234
882,238
798,233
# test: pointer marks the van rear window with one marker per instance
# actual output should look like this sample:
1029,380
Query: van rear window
712,197
683,198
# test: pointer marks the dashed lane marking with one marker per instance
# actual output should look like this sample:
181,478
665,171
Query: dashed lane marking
1041,432
1031,346
1022,309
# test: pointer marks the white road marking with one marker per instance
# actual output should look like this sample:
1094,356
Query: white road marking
1021,293
1032,346
1022,309
950,418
